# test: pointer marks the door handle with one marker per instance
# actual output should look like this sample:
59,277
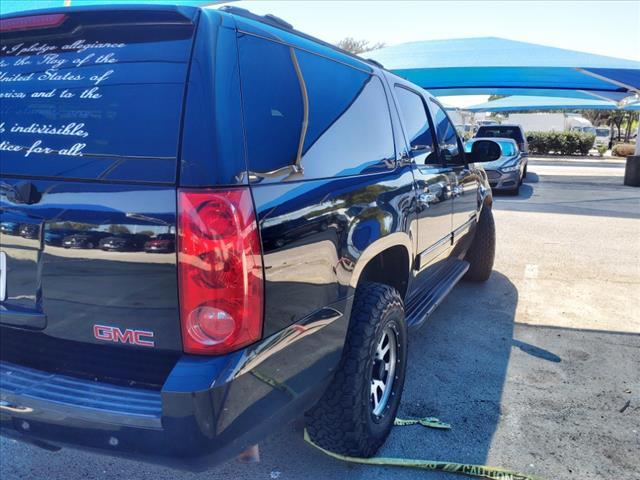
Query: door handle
427,199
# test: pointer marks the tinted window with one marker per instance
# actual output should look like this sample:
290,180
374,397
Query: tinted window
348,128
97,97
499,131
416,124
273,116
446,135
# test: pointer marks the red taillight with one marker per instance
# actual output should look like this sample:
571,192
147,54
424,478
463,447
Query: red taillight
31,22
219,270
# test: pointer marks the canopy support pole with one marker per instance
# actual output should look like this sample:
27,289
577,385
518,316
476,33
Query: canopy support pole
609,80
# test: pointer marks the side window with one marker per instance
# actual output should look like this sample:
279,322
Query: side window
448,143
417,126
273,104
349,130
296,104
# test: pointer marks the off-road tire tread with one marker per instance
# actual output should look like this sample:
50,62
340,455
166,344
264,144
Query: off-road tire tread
483,249
338,421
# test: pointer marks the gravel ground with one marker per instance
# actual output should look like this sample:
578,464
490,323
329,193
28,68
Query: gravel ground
537,370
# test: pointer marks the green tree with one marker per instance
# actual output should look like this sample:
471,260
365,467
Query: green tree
114,228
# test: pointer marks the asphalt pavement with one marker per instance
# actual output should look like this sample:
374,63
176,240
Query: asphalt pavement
537,370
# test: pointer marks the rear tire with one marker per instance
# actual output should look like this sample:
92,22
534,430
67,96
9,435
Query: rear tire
347,420
483,248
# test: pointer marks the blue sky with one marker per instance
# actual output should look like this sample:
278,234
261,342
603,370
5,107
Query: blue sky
603,27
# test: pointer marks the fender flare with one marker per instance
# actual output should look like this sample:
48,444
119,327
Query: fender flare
374,249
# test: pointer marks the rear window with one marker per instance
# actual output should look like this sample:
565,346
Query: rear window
94,95
504,132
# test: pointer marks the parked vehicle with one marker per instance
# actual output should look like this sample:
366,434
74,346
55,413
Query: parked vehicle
55,237
504,130
190,360
508,172
603,136
87,239
30,230
10,228
124,242
163,243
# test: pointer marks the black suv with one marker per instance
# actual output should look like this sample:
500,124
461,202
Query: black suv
504,130
322,208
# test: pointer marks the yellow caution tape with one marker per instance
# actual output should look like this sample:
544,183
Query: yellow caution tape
481,471
431,422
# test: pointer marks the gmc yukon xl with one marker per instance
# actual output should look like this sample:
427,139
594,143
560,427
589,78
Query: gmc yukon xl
321,207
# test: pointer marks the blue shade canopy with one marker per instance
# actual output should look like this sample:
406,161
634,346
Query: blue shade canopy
536,92
11,6
499,66
517,103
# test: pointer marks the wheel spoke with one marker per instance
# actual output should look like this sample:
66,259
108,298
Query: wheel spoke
382,351
377,388
383,371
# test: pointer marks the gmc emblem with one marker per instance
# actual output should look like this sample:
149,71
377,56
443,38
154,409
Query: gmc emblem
142,338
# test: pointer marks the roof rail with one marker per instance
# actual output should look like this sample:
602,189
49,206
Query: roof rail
278,22
374,62
268,18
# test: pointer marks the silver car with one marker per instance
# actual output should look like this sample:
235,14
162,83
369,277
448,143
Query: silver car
507,173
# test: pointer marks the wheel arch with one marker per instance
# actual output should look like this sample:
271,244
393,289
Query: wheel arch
386,261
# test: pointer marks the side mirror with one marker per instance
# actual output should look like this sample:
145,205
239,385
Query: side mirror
485,151
529,138
445,153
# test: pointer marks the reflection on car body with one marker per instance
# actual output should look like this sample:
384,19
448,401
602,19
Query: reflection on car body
55,237
30,230
124,242
88,239
163,243
10,228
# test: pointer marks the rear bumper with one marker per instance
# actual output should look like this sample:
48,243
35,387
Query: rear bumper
209,409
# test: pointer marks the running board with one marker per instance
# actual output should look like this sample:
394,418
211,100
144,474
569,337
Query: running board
420,308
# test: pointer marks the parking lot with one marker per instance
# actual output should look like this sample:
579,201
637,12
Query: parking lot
536,370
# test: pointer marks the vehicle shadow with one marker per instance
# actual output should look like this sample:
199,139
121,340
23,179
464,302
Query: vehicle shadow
526,192
601,195
457,368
